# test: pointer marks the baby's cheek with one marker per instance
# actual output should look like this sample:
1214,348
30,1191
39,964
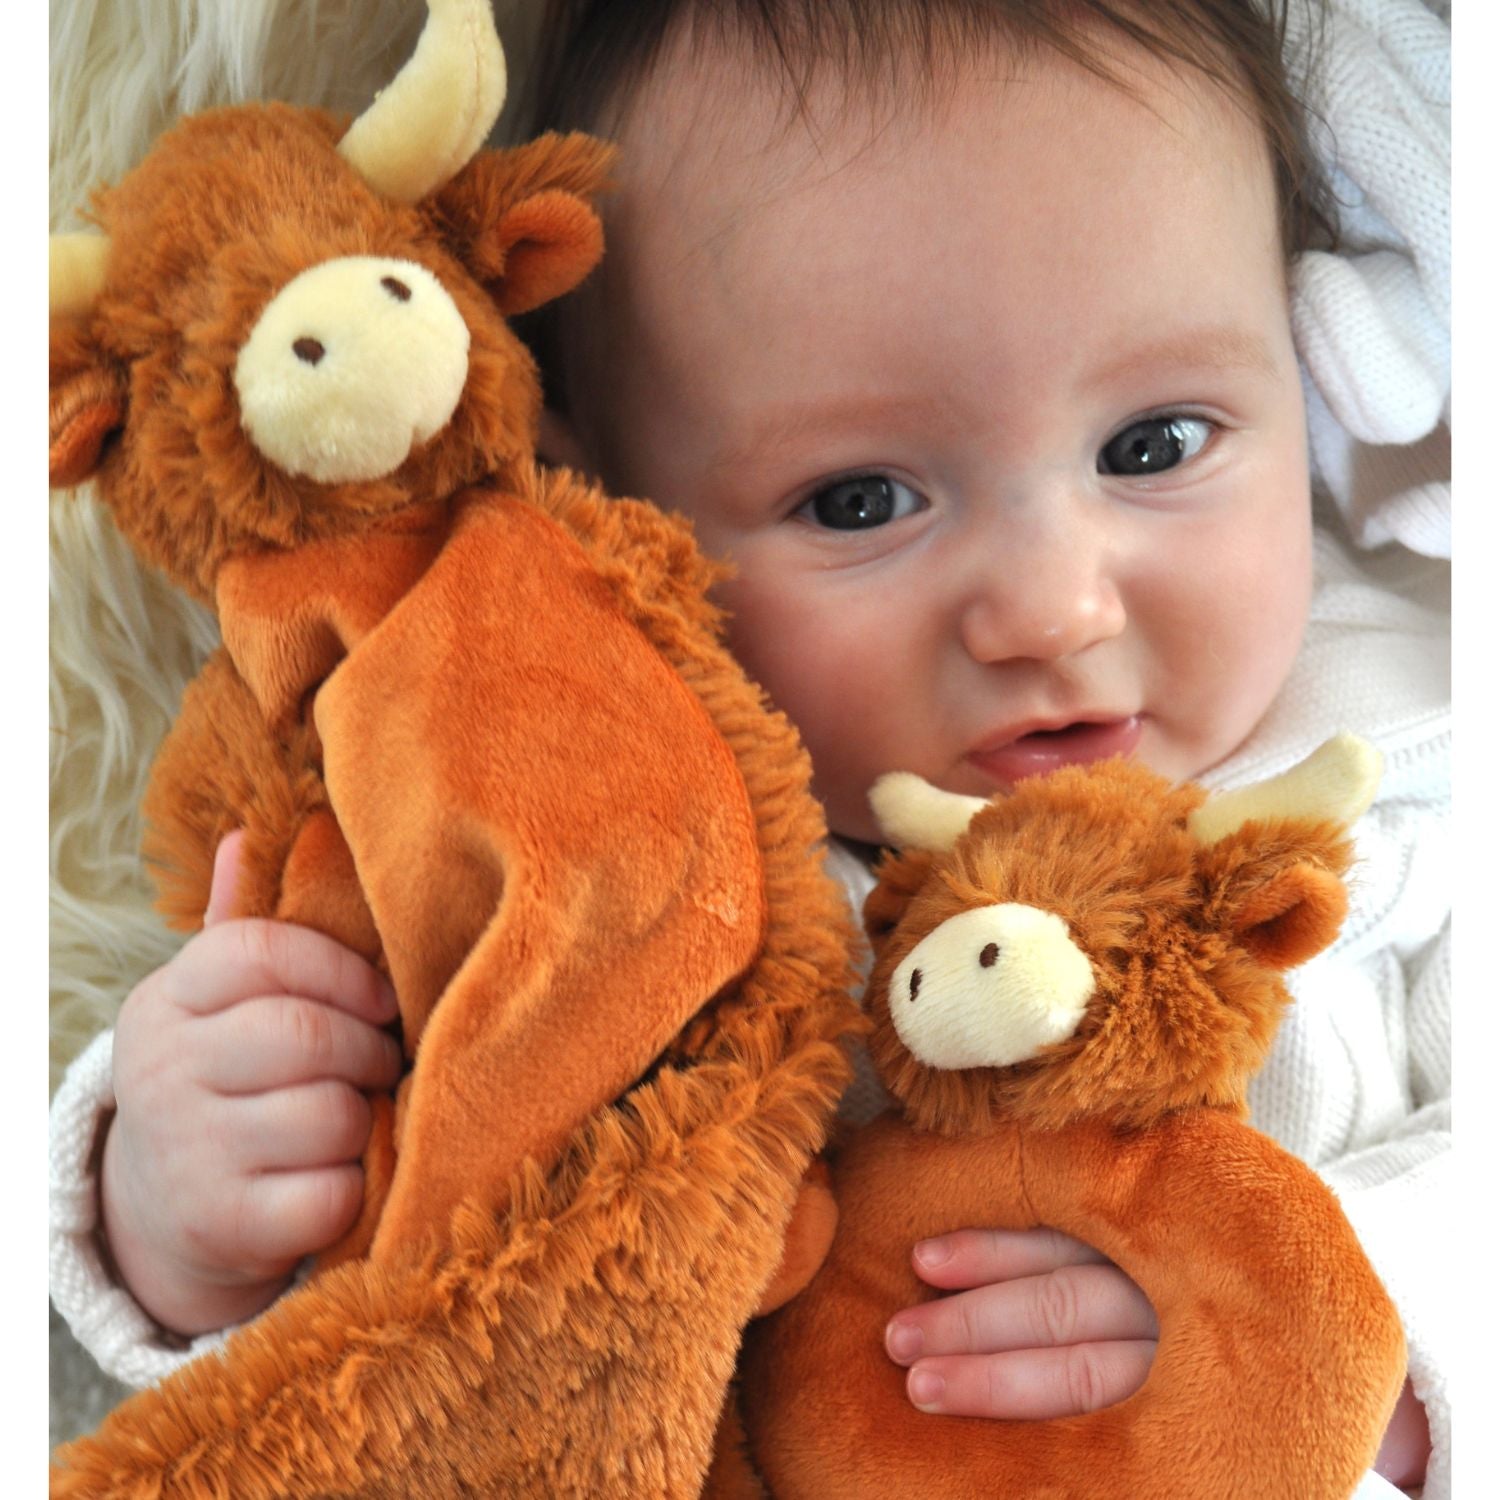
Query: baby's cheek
1237,629
838,694
1270,608
841,734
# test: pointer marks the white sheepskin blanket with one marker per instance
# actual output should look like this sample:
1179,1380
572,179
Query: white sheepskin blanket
123,642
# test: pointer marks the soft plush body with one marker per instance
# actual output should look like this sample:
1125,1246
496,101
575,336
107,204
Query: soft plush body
1072,987
477,723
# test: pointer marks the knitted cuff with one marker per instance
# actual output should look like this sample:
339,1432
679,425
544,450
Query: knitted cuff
104,1317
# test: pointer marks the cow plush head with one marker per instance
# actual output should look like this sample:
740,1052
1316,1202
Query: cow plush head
292,325
1099,943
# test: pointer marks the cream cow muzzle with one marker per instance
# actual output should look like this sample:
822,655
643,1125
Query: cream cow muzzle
990,987
351,365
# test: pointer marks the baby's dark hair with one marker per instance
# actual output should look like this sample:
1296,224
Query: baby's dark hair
595,52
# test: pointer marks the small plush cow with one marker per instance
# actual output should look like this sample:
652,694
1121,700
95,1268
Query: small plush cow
1072,987
294,326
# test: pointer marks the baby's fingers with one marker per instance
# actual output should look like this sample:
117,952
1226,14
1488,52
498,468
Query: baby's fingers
316,1125
1031,1384
1078,1304
284,1216
977,1257
232,961
281,1040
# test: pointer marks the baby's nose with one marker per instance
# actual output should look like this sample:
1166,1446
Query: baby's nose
1042,608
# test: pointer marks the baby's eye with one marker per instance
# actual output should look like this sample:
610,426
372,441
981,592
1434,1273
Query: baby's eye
1153,445
861,502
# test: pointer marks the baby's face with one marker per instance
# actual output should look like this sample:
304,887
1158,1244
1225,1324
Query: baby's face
993,405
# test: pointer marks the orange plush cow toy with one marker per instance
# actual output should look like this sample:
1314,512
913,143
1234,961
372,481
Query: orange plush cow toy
477,722
1072,986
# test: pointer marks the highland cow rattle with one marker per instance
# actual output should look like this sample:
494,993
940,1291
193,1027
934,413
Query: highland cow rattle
1072,987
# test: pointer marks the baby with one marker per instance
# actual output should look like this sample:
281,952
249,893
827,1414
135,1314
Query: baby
963,330
974,355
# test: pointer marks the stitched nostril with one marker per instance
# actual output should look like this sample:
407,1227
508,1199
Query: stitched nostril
397,288
988,954
309,351
916,983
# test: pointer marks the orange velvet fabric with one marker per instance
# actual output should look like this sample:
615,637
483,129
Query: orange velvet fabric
553,840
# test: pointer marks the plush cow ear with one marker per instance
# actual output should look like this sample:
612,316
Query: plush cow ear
1273,854
546,245
898,877
1289,914
87,400
522,221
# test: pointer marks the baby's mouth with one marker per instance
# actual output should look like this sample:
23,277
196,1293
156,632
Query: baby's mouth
1041,750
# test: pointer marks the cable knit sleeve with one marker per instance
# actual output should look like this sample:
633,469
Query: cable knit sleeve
1400,1196
104,1317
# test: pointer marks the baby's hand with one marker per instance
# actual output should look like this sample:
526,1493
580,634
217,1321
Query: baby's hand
1039,1325
234,1150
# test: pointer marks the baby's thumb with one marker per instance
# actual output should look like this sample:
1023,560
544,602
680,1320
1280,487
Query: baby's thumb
226,878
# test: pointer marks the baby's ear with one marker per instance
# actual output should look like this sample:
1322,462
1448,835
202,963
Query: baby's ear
88,394
523,221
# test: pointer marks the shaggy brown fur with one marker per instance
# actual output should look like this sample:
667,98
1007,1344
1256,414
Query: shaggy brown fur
478,723
1185,1008
1280,1355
